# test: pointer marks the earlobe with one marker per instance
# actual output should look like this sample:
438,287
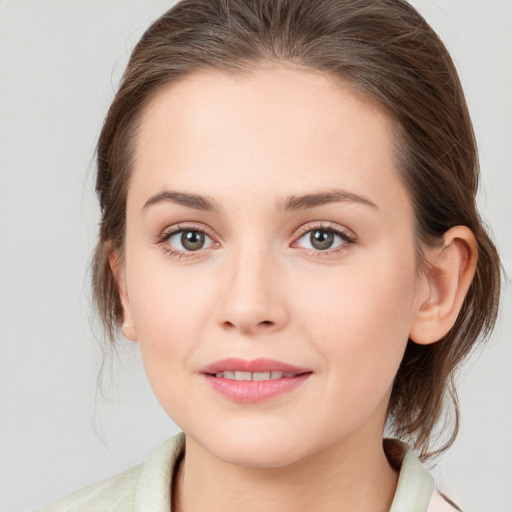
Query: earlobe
128,326
129,331
444,285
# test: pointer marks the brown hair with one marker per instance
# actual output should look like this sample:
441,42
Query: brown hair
384,49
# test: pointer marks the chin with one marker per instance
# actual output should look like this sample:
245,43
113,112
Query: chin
256,454
253,447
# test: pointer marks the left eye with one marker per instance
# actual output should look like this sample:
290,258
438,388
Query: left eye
189,240
322,239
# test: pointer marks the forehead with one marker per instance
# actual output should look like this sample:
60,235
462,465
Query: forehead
290,128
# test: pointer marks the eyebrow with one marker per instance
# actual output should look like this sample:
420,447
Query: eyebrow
290,203
194,201
303,202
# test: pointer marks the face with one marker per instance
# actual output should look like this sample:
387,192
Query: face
268,234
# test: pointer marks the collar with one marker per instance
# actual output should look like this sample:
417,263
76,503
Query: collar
415,484
413,492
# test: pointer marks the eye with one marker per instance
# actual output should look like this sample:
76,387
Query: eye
324,239
188,240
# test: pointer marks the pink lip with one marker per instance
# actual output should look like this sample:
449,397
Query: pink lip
248,391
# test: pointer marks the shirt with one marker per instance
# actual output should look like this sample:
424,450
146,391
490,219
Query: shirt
147,487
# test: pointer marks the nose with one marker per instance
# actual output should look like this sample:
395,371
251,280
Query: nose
253,294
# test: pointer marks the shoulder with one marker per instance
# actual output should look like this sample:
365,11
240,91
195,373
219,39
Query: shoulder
139,488
115,493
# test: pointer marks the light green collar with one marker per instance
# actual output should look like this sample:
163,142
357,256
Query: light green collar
413,492
415,484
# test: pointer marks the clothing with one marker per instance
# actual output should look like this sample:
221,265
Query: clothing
147,487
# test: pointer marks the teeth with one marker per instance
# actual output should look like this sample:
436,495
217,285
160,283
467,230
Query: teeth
256,376
261,376
243,376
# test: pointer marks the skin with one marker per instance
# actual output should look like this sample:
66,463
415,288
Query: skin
259,288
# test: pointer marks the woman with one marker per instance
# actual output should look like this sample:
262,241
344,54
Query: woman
289,232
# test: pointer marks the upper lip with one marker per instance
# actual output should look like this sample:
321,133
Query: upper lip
256,365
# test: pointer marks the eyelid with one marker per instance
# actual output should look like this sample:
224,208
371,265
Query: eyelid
176,228
326,226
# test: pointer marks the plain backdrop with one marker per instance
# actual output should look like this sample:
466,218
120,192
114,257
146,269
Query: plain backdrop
60,62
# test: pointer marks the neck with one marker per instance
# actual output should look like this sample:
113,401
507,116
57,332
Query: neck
348,476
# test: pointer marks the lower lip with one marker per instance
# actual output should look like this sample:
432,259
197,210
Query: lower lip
249,391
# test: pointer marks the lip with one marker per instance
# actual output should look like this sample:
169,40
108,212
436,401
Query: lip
256,365
248,391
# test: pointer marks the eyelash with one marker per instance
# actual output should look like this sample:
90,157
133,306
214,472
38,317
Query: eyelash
347,238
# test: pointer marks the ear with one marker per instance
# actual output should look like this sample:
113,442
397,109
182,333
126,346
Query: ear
444,285
117,268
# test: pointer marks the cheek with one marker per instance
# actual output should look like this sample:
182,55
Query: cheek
168,319
361,321
169,311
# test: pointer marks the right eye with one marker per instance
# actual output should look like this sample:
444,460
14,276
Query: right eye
188,240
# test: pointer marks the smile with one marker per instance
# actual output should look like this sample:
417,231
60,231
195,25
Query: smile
242,381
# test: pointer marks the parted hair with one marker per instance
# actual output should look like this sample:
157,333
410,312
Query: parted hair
385,50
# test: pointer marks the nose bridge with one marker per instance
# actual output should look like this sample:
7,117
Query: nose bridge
252,298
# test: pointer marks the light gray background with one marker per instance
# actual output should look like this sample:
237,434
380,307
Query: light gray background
60,61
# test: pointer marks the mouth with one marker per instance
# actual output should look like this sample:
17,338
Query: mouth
256,376
245,381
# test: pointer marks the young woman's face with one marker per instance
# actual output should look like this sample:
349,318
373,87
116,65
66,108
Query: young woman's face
269,234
